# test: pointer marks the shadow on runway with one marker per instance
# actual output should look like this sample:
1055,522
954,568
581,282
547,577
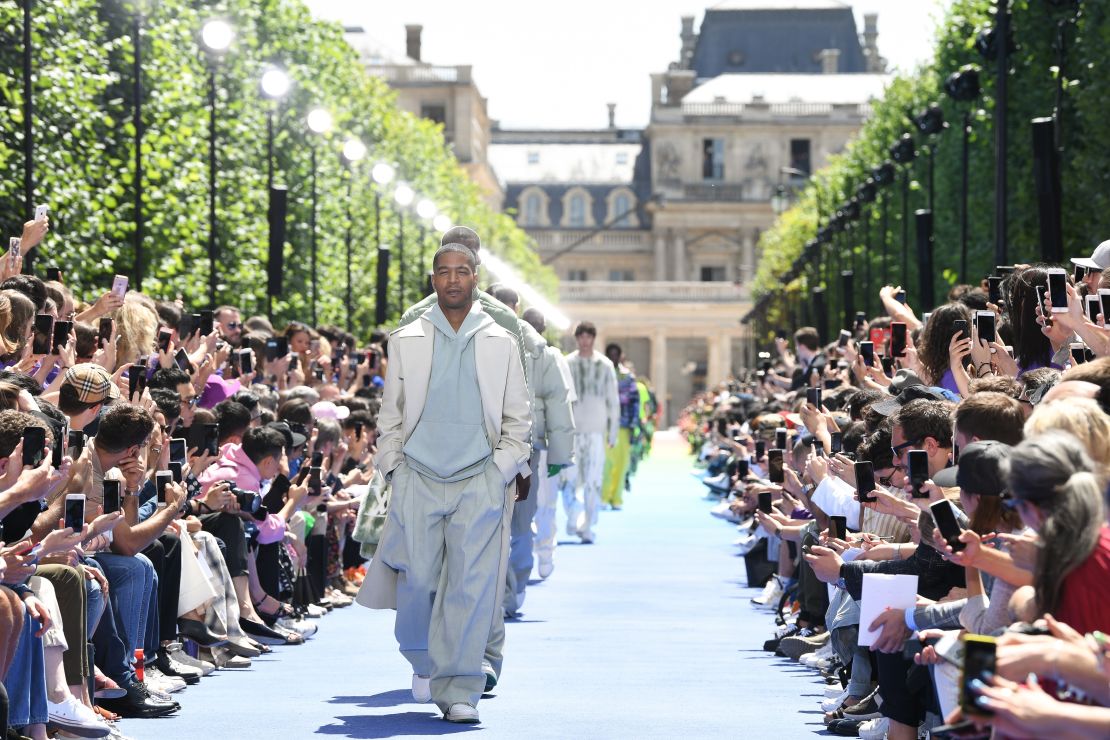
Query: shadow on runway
384,699
419,724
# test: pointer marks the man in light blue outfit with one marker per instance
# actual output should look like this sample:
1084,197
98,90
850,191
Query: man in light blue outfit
454,427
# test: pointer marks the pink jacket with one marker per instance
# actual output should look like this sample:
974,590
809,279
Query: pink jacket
234,465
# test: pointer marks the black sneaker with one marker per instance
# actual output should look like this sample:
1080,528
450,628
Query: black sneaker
773,644
845,727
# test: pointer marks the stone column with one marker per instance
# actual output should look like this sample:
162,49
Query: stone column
660,256
747,259
713,374
726,356
659,371
680,256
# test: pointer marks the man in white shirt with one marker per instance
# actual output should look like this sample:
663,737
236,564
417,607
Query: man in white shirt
597,412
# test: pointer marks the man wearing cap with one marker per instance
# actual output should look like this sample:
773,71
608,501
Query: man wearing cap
454,425
1095,264
85,389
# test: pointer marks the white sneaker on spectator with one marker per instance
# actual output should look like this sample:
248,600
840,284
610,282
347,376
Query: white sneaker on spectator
315,611
545,568
874,729
772,592
305,629
162,682
75,718
825,652
115,734
832,702
421,689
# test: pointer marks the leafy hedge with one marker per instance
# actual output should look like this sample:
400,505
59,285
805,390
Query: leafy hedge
1085,162
84,151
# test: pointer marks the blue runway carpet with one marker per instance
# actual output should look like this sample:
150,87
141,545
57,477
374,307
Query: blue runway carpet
648,633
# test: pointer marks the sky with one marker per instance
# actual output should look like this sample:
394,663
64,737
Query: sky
556,64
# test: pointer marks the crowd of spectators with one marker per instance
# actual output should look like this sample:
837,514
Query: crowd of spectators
179,491
967,448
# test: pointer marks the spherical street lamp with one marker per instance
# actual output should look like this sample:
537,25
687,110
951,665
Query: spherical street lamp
403,195
217,35
441,223
383,173
354,150
319,121
426,209
275,83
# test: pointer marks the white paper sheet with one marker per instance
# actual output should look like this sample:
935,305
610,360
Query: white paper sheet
881,592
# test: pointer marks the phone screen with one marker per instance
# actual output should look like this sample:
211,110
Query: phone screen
897,339
75,512
960,325
246,362
984,324
178,449
1092,308
836,442
165,336
838,527
760,449
900,296
844,337
104,331
53,274
1104,305
177,470
867,352
765,502
1058,290
949,528
182,360
111,496
212,438
819,448
58,450
780,438
813,397
994,289
119,285
918,462
61,334
34,444
317,459
1079,272
161,482
865,480
44,334
315,480
742,468
76,443
979,658
774,466
1078,353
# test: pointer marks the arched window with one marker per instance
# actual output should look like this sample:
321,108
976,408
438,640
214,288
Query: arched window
576,213
622,208
532,208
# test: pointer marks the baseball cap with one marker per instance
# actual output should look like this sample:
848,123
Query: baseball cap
981,469
328,410
890,406
1099,259
292,439
217,389
92,383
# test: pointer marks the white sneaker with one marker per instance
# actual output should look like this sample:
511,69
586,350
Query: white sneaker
810,660
303,628
315,611
162,682
490,674
874,729
831,703
75,718
462,713
772,592
545,568
421,689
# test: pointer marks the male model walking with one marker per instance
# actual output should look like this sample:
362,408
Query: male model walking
596,419
455,425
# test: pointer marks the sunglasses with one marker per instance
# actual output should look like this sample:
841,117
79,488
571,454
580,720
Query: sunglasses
233,325
896,451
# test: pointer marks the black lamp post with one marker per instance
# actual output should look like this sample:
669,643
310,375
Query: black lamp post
930,122
216,37
963,87
903,152
404,196
883,175
382,174
353,151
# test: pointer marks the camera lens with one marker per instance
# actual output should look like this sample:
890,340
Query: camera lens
248,501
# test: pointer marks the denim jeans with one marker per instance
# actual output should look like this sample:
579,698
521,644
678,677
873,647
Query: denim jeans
26,679
131,582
